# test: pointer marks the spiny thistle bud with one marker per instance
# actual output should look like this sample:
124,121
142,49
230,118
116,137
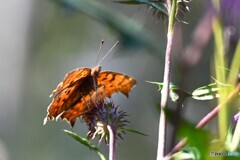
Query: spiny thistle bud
106,113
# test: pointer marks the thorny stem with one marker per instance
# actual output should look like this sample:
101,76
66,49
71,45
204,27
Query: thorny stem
112,141
207,118
166,80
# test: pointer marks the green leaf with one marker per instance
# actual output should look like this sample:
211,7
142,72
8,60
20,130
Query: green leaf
197,138
160,85
134,131
85,142
209,92
155,4
206,92
175,91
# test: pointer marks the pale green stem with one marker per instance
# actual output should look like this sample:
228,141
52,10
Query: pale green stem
220,75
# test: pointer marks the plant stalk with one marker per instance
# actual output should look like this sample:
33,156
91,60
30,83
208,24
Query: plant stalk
219,60
166,81
112,141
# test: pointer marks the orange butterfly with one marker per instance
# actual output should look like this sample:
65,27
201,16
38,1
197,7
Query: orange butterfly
82,88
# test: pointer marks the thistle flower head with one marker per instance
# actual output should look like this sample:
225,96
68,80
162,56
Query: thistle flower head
106,113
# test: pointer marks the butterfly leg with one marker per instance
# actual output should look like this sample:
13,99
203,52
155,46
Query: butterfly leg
96,88
87,103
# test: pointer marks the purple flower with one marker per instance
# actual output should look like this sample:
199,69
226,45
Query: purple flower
231,11
106,113
237,116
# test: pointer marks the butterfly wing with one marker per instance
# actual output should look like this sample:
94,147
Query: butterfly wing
71,78
109,83
67,94
84,105
76,96
113,82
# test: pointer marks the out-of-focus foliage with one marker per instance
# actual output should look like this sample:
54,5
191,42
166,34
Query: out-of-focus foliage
158,5
130,33
233,138
198,139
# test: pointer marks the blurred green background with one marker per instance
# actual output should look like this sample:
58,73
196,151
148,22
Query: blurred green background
43,40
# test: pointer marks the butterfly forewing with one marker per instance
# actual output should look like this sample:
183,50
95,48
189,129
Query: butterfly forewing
66,93
60,102
71,78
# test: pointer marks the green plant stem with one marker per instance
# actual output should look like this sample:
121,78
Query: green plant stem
166,81
219,59
112,141
207,118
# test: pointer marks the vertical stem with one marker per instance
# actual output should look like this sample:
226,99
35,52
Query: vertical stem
112,141
219,58
164,98
166,81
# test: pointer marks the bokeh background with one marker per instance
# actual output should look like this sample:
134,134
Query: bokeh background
43,40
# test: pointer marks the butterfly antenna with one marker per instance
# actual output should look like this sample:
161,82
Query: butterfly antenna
100,48
108,52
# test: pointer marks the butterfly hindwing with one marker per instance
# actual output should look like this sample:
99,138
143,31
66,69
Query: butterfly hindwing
83,106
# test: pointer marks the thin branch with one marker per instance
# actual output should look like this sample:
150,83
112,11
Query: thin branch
207,118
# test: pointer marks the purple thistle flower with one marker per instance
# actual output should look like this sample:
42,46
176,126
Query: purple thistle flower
106,113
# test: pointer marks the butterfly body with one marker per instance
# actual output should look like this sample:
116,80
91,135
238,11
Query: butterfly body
82,88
